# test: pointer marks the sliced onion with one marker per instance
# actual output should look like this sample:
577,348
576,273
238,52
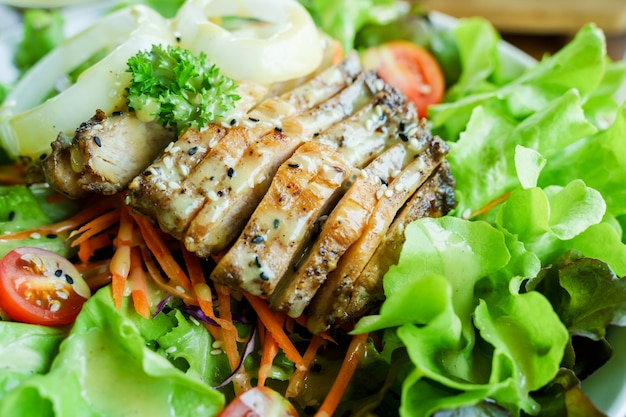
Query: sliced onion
27,128
286,46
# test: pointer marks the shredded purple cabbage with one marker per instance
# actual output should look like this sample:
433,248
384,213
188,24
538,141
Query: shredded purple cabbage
161,306
247,350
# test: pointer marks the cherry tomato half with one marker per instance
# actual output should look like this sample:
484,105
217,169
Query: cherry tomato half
409,68
259,402
40,287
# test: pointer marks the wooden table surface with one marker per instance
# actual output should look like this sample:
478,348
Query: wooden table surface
543,26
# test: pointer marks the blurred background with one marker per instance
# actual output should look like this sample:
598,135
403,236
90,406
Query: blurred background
544,26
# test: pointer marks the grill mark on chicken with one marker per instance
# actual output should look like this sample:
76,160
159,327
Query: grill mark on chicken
302,189
204,180
435,198
341,229
159,192
330,302
106,153
247,186
360,138
237,194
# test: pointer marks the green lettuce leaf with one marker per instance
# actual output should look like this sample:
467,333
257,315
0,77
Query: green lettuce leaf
599,160
483,160
26,350
580,65
472,335
106,368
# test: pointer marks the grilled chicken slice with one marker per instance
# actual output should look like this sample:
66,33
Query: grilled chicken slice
302,190
435,198
359,139
105,154
203,184
329,305
341,229
158,191
240,185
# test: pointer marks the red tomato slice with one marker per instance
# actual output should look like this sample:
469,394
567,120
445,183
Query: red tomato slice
40,287
409,68
259,402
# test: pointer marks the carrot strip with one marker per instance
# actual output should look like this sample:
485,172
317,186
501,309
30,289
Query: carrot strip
95,226
162,254
490,205
270,350
138,285
275,327
349,365
229,336
121,260
89,213
203,292
95,274
297,379
158,279
87,248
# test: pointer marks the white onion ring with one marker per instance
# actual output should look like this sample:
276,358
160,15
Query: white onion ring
289,48
27,128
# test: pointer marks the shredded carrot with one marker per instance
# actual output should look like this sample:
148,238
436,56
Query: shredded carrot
163,255
349,365
56,198
121,260
12,174
202,290
490,205
138,285
89,247
95,226
230,336
270,350
155,274
297,379
275,327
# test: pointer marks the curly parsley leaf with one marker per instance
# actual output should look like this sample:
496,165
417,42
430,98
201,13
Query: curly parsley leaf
178,89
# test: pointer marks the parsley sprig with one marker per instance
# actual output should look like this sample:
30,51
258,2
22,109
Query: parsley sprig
178,89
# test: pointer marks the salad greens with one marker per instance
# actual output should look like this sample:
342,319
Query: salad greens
23,208
107,368
43,31
516,288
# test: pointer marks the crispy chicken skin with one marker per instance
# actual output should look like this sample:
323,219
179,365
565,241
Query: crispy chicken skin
104,155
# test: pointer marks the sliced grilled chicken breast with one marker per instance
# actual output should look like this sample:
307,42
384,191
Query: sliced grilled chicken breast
341,229
435,198
280,227
105,154
329,305
203,183
240,184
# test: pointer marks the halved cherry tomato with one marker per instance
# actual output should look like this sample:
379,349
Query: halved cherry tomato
259,402
409,68
40,287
